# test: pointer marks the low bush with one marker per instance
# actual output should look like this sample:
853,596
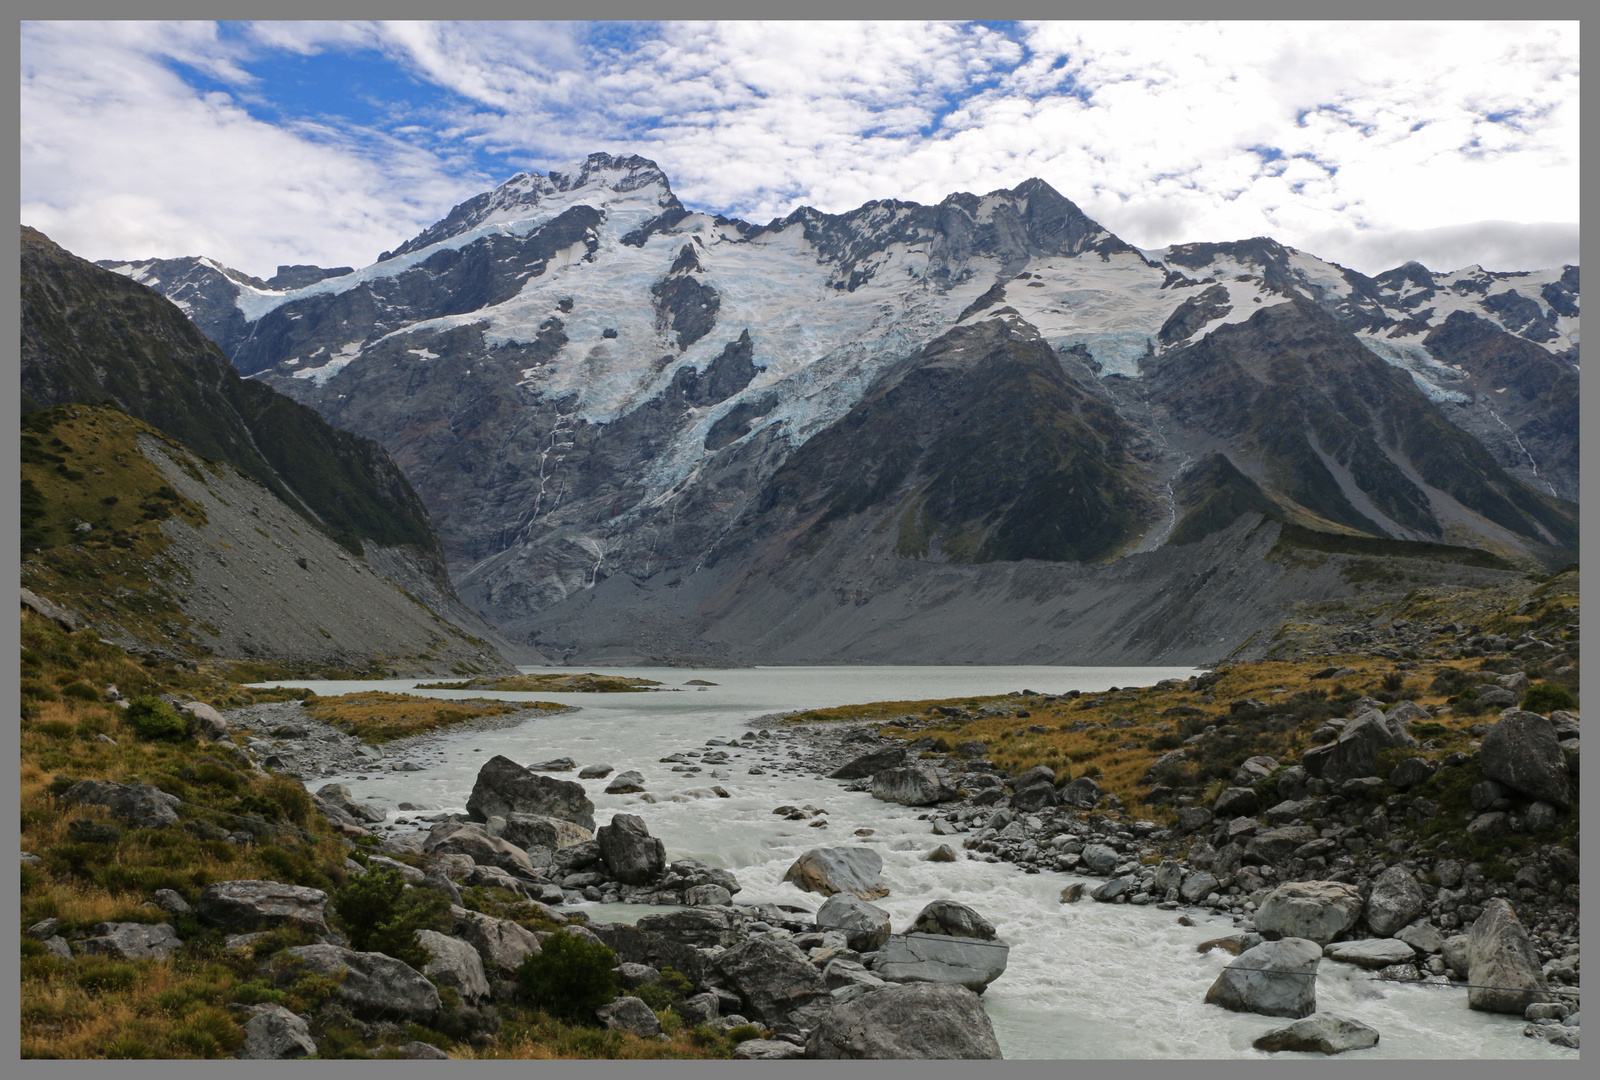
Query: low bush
570,977
381,915
1545,698
154,720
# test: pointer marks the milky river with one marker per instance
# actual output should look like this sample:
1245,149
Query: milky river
1084,981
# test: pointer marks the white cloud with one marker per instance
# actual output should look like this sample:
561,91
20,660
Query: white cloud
1388,132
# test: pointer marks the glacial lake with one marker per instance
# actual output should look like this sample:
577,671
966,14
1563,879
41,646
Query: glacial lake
1084,981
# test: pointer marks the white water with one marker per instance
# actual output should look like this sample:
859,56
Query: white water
1085,980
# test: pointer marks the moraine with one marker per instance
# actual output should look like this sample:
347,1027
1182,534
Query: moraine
1084,980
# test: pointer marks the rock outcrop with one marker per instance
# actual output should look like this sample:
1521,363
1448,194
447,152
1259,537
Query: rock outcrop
503,788
920,1021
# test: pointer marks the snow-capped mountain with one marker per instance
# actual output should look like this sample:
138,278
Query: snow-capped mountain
584,380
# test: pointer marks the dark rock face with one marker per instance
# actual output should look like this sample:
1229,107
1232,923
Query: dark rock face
1235,802
920,1021
503,787
776,981
890,757
701,927
1521,752
1503,970
1356,752
633,856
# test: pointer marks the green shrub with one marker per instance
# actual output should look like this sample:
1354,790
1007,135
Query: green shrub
81,690
381,915
1546,698
153,719
671,989
743,1033
570,977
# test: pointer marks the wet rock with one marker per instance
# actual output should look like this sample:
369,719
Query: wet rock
1110,890
1276,978
701,927
275,1034
542,831
630,1014
923,1021
1071,894
504,788
1371,953
1319,1032
939,958
913,785
132,941
865,926
594,772
258,905
471,840
890,757
1521,752
951,919
626,783
371,984
1503,969
633,856
455,964
834,870
1395,901
942,853
776,981
1318,911
690,873
563,764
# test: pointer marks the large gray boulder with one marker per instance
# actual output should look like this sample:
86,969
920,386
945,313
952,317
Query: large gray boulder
203,721
371,984
473,841
339,797
951,919
1503,972
275,1034
1100,858
1320,1033
455,964
630,1014
1236,802
776,981
1083,793
1395,901
890,757
865,926
827,871
1371,953
542,831
701,927
911,785
504,788
133,941
141,805
1521,752
626,783
1356,751
633,856
939,958
500,943
919,1021
1276,978
242,906
1197,886
1318,911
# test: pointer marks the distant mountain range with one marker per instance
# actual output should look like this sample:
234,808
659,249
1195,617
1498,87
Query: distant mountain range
645,431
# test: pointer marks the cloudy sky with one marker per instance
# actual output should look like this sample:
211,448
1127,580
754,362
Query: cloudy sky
266,143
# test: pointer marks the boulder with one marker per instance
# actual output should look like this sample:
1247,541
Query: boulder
1521,752
1371,953
1406,712
1456,956
262,905
132,941
776,982
141,805
635,946
939,958
1100,859
835,870
767,1050
630,1014
1271,846
1083,793
1193,818
918,1021
942,853
1496,697
626,783
865,926
701,927
633,856
203,721
890,757
1355,753
1235,802
690,873
1318,911
1109,890
1197,886
1395,901
467,838
561,764
455,964
952,920
370,983
594,772
912,785
1071,894
1319,1032
275,1034
699,1009
504,788
1411,772
1255,768
1276,978
1503,970
1422,937
500,943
